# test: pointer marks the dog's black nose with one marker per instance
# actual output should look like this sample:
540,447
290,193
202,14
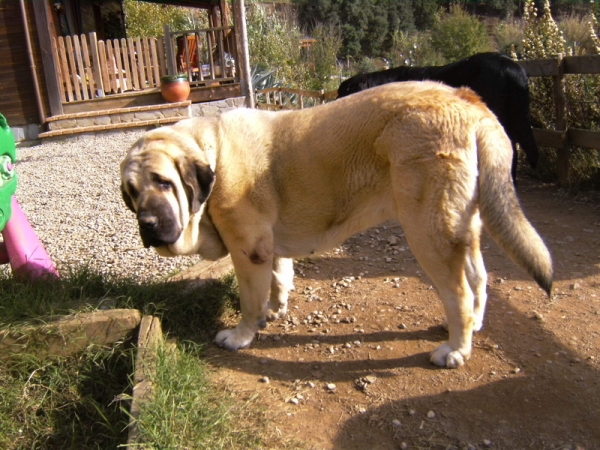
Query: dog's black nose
148,222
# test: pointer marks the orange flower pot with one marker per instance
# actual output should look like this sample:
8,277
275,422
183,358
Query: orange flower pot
175,88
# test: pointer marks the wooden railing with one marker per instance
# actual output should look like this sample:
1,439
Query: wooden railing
283,98
207,55
99,68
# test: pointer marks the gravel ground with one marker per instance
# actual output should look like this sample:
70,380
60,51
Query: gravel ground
69,191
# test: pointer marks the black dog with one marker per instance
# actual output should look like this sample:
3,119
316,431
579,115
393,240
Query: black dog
500,82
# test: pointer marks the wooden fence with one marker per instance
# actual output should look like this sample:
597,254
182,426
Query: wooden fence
561,138
98,68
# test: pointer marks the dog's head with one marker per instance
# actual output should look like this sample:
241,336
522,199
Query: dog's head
166,179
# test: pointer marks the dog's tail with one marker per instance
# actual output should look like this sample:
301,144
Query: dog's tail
500,209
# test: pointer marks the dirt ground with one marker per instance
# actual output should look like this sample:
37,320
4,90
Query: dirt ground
349,367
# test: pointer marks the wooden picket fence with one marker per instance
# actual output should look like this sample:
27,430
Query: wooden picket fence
99,68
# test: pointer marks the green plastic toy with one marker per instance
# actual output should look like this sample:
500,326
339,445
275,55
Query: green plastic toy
8,177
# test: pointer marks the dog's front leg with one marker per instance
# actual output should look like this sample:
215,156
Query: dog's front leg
253,270
281,285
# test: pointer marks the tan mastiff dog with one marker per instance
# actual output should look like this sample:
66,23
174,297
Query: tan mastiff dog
270,186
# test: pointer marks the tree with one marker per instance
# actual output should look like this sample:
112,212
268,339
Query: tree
424,12
148,19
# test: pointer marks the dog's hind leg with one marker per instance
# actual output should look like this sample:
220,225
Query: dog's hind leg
477,278
281,285
449,276
446,259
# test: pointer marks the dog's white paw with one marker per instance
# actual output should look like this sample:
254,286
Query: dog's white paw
444,356
477,323
274,314
239,337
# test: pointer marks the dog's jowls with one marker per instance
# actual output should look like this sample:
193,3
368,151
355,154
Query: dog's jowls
267,187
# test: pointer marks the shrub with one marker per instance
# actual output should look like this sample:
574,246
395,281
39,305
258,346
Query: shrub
457,34
509,35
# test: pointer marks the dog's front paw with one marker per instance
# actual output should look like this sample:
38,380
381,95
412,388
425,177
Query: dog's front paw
239,337
444,356
273,314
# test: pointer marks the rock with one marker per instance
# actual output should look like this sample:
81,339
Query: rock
430,415
330,387
264,380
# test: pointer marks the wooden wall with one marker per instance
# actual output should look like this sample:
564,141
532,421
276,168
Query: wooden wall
17,95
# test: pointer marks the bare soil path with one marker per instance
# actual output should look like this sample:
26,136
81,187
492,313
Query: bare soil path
349,367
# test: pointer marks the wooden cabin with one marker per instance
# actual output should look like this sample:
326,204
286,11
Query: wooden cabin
64,58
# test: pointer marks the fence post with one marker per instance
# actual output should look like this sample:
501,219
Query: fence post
96,62
239,19
563,166
169,51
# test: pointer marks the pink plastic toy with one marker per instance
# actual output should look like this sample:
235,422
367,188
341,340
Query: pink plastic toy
23,249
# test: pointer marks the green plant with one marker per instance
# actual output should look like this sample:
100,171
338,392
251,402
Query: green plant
320,58
457,34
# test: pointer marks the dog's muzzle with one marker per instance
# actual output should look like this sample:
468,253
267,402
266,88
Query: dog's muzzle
156,231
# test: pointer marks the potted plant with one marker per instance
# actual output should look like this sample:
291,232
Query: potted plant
175,88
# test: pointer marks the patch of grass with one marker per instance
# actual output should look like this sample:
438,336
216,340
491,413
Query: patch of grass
80,402
187,412
65,403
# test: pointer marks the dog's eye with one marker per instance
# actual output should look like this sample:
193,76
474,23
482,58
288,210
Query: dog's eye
162,183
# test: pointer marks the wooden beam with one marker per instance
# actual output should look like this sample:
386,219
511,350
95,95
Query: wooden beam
540,67
584,138
585,64
549,138
45,36
210,94
71,334
241,34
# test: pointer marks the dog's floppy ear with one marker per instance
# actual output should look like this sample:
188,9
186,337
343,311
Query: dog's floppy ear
127,198
198,179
